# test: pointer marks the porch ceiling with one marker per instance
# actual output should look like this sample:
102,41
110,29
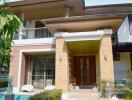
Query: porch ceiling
43,9
83,47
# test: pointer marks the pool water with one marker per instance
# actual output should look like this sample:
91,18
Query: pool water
17,97
21,97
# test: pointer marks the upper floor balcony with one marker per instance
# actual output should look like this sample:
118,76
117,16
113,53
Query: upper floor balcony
33,36
33,33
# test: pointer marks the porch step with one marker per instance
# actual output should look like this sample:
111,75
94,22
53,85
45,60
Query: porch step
86,87
84,94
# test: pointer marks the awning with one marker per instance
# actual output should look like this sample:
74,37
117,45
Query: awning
122,47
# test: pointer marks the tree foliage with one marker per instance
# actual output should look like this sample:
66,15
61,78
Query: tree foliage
9,24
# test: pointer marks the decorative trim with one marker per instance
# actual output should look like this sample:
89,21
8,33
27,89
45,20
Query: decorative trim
81,36
20,62
57,35
39,41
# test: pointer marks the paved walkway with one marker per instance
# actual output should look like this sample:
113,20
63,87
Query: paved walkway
83,94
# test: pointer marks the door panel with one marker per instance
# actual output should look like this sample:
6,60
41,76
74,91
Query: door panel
77,70
92,68
85,70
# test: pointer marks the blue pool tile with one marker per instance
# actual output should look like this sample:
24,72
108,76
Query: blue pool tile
17,97
21,97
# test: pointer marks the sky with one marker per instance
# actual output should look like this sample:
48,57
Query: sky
1,1
105,2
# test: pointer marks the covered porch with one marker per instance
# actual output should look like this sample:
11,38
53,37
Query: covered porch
84,62
85,56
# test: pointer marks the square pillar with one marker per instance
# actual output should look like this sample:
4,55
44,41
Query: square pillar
22,71
106,59
62,65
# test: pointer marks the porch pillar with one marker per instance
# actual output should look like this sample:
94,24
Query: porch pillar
62,64
106,59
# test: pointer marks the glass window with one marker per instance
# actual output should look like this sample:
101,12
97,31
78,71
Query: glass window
42,70
89,3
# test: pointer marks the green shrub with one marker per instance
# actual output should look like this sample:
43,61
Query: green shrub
3,83
102,85
48,95
128,93
129,79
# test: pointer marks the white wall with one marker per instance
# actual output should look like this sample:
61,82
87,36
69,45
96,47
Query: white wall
31,33
122,66
124,32
30,24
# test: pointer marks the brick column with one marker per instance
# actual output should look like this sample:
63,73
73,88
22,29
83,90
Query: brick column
106,59
62,65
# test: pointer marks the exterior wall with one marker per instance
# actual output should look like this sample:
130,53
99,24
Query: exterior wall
124,34
106,59
15,56
62,65
121,67
31,24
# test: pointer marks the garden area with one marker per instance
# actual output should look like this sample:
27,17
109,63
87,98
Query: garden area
120,89
48,95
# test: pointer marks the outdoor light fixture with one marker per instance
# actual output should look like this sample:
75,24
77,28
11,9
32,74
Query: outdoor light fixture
106,57
61,58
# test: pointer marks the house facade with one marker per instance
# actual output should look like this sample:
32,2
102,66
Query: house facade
66,39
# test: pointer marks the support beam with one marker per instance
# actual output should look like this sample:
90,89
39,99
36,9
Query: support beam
106,59
62,65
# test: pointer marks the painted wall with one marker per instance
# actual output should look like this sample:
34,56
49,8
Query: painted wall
31,33
121,67
124,32
30,24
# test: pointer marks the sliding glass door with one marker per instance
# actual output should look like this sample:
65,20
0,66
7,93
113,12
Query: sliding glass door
42,70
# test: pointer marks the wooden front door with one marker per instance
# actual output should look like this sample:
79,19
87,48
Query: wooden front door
85,70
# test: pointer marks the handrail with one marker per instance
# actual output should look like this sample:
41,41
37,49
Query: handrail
26,33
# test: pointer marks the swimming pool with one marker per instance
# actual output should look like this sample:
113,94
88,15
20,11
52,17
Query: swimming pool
17,97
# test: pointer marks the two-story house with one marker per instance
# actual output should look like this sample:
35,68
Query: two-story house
66,39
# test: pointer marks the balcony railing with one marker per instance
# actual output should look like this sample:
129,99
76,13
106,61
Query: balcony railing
33,33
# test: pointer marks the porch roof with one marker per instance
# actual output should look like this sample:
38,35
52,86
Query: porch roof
122,47
83,23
